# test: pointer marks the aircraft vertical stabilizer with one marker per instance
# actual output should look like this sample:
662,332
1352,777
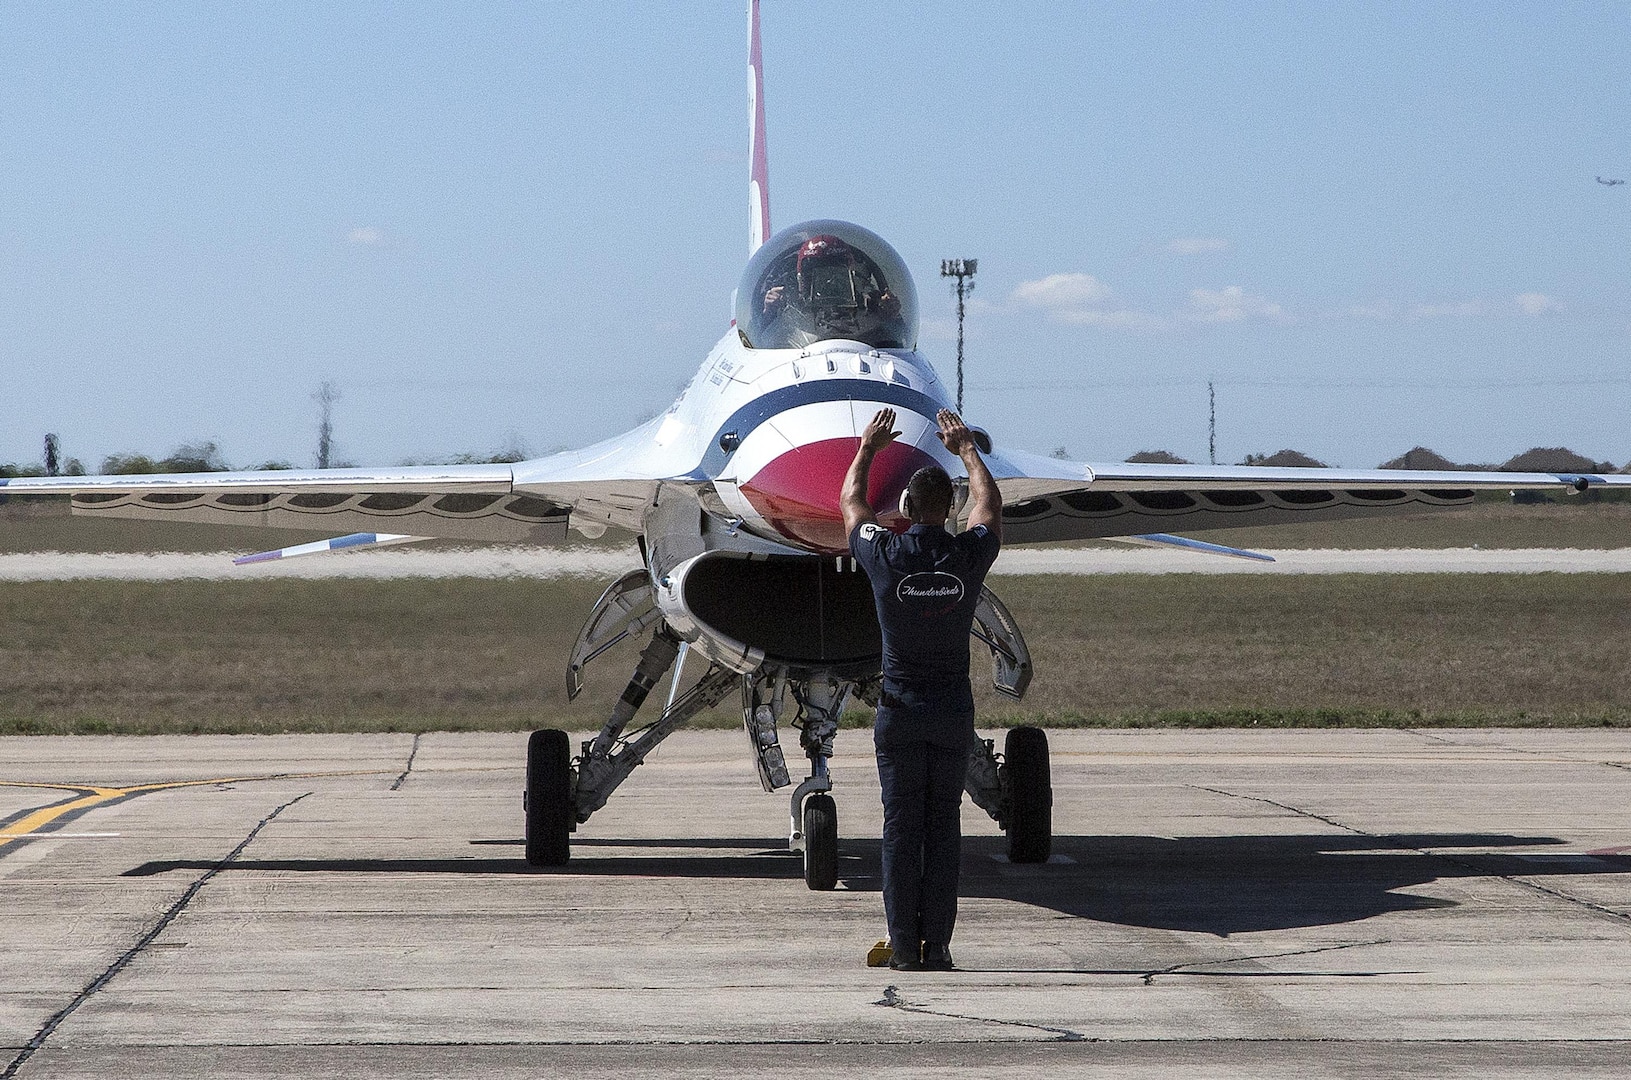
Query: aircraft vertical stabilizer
758,160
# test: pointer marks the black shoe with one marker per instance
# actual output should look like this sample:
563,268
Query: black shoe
900,961
937,957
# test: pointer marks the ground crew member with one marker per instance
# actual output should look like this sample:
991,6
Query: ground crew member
926,583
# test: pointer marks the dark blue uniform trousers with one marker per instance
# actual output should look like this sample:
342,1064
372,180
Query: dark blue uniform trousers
922,839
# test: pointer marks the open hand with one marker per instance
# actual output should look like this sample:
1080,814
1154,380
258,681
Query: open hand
880,431
954,433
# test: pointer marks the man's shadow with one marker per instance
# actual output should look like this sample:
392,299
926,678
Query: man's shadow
1214,884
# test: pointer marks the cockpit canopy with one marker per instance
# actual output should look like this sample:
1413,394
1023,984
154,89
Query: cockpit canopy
822,280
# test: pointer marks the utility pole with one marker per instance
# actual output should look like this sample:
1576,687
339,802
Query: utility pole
1212,421
327,394
963,271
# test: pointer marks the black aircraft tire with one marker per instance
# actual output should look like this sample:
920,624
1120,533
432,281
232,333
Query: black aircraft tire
1030,824
548,800
820,843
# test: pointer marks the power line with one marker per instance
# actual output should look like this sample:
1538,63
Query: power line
1304,384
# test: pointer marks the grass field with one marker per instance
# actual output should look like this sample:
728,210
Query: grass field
413,655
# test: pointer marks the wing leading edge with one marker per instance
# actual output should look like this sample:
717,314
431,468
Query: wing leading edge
529,502
1047,500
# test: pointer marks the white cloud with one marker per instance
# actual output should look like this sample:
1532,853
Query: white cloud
1061,292
1121,319
1529,303
1381,310
1196,245
1080,300
1232,304
1463,309
1534,303
366,235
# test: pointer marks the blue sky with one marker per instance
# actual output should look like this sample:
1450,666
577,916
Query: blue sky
1373,225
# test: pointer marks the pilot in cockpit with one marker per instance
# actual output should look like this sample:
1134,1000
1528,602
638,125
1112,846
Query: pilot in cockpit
835,287
824,285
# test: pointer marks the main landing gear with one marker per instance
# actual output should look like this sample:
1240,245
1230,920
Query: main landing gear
562,792
547,802
1017,791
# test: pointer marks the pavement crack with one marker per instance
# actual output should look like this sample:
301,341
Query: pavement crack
684,919
1149,977
1429,736
892,1000
1535,886
413,752
1335,824
1464,862
113,969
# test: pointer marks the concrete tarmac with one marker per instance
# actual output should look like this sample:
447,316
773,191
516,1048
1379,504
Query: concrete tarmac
1221,904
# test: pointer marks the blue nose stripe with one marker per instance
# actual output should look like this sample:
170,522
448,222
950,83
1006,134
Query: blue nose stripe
762,408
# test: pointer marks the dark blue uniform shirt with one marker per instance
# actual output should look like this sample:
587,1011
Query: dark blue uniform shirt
926,583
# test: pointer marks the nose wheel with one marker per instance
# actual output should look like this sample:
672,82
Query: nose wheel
820,842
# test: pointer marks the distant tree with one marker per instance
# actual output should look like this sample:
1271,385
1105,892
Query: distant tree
1061,453
73,467
1419,457
194,457
51,455
273,466
513,450
10,470
1285,459
1553,459
186,458
1158,457
128,464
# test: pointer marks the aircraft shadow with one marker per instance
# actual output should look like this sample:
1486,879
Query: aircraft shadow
1226,885
1218,885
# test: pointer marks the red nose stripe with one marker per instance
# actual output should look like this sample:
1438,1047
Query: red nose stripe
797,493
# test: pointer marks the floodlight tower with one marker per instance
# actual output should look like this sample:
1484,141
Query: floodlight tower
963,271
1212,421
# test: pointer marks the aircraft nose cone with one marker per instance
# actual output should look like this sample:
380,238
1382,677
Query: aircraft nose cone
797,492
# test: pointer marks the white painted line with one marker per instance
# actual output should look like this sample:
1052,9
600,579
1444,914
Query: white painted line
1043,560
524,562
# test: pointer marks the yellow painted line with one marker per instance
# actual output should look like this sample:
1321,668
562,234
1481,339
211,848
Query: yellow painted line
95,795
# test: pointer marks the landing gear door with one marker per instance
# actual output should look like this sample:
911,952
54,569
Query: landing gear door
626,609
1010,659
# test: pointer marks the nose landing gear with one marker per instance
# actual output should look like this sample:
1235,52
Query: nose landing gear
812,813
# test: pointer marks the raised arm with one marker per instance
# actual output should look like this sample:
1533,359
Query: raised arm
852,500
984,500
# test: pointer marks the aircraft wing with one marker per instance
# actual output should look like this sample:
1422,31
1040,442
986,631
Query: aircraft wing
1047,499
529,502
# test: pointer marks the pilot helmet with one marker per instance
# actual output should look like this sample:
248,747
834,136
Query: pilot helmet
825,272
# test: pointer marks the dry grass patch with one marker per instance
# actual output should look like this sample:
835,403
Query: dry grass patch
462,654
